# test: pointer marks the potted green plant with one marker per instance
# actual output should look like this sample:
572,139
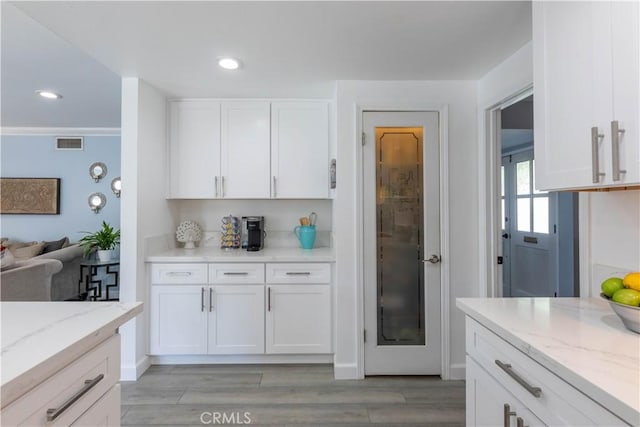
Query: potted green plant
104,240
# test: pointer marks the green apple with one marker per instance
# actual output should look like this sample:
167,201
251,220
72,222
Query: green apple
611,286
627,297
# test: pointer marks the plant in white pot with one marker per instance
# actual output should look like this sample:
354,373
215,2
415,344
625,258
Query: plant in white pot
104,240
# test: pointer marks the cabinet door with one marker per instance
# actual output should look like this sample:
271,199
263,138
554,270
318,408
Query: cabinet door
245,150
194,149
236,319
104,413
625,19
300,150
565,69
298,319
178,319
486,400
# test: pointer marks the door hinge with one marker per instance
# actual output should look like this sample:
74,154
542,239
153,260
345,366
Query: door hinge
364,334
364,138
500,260
555,228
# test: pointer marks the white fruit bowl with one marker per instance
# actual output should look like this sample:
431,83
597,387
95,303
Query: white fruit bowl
629,315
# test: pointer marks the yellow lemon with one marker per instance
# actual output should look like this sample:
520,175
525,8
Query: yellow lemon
632,280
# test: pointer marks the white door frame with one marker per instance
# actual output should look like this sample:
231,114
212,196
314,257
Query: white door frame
443,122
489,197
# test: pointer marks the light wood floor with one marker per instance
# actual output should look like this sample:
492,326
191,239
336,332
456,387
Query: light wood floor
289,395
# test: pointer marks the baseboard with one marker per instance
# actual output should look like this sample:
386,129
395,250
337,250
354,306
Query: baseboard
60,131
457,371
242,359
132,373
346,371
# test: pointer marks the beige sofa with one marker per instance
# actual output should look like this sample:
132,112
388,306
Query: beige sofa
29,280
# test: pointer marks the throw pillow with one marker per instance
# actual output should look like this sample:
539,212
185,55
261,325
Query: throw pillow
6,258
28,251
54,245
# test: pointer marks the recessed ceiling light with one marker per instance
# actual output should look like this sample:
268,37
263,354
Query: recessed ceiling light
229,63
48,94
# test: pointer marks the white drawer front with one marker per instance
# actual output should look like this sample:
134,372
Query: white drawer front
175,274
299,273
104,413
65,386
559,404
236,273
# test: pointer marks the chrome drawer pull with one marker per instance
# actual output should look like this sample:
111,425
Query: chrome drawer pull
210,299
202,300
54,413
536,391
298,273
596,137
179,273
508,413
615,149
236,273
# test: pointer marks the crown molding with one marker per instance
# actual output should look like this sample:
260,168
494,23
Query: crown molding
60,131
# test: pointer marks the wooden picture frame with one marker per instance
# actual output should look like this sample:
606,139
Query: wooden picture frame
33,196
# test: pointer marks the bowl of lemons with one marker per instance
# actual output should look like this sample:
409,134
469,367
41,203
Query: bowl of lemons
623,295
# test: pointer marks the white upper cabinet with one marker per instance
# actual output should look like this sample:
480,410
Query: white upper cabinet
586,69
245,150
300,150
194,149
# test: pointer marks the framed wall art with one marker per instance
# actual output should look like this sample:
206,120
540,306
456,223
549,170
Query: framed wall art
39,196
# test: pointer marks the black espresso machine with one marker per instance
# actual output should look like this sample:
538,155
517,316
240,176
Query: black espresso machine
253,233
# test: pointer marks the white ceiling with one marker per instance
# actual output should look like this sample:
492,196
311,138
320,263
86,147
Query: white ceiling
289,49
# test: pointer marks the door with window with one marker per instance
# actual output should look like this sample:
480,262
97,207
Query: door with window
529,230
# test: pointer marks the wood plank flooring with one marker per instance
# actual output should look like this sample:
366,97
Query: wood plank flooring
287,395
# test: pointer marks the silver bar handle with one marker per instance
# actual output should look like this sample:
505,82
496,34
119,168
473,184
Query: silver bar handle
179,273
298,273
54,413
275,193
210,299
235,273
508,413
536,391
222,179
202,300
595,154
615,149
269,299
216,185
520,422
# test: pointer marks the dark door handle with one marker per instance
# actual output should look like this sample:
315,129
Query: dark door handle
505,236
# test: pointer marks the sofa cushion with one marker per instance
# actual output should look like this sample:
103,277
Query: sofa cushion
54,245
7,260
26,252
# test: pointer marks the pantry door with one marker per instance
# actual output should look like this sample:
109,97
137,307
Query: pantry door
401,188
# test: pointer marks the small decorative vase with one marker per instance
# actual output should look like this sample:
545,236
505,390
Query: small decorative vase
104,255
188,232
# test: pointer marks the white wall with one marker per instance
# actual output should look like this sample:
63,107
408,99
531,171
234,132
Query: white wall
145,212
460,96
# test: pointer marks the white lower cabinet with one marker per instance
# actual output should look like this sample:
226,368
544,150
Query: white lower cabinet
298,318
498,374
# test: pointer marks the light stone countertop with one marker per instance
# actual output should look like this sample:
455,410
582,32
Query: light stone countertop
40,338
214,254
581,340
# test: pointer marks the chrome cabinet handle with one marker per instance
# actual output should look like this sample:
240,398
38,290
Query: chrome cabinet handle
202,300
210,299
508,413
595,155
54,413
216,185
235,273
275,194
179,273
222,179
433,259
268,299
520,422
536,391
298,273
615,149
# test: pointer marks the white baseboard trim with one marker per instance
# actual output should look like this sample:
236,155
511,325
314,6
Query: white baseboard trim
457,371
132,373
60,131
346,371
243,359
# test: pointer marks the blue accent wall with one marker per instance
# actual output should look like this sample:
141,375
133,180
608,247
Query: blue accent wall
35,156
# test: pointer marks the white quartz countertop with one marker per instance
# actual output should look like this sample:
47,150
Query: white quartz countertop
581,340
214,254
40,338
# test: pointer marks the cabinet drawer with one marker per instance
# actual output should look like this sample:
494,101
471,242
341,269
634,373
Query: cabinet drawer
82,382
558,403
104,413
174,274
298,273
236,273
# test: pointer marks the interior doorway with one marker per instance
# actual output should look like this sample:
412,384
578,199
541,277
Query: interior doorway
539,229
402,277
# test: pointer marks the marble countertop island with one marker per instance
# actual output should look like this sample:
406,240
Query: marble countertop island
40,338
581,340
214,254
